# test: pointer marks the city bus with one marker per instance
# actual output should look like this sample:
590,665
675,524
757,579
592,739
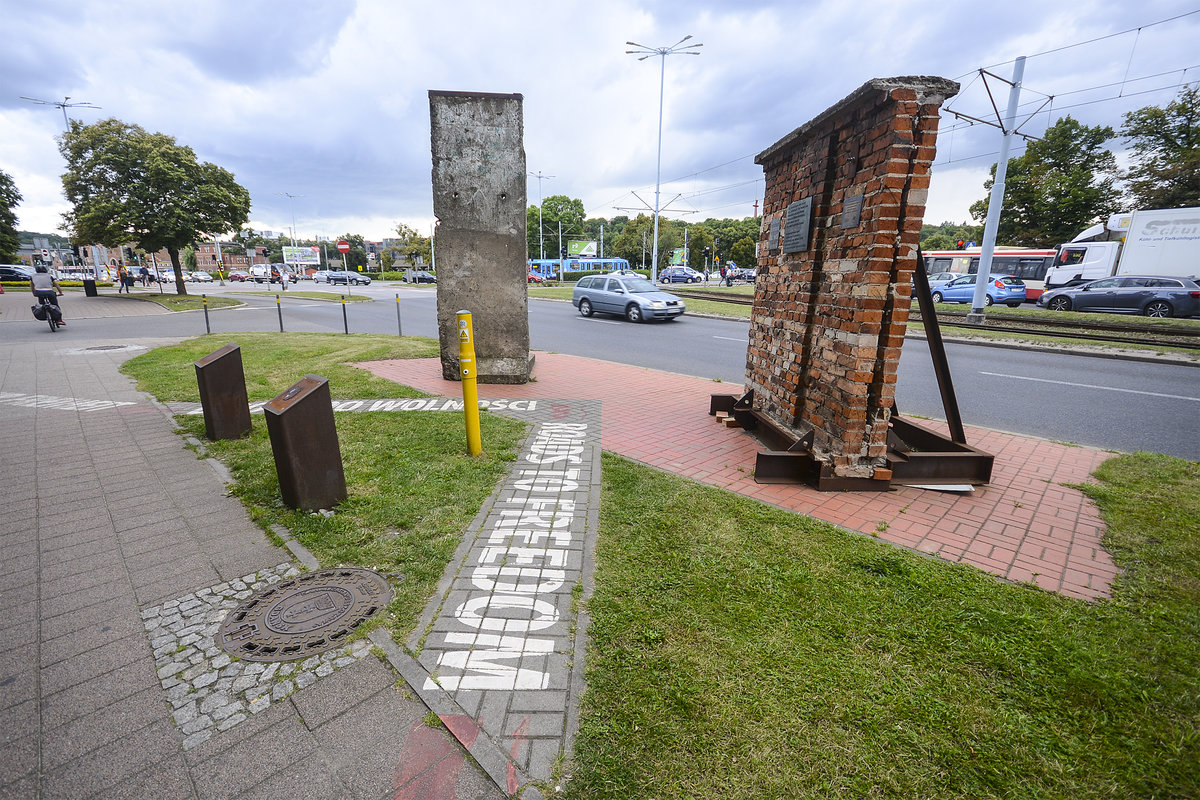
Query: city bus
1028,265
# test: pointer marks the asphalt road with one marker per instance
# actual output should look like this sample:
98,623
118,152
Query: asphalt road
1102,402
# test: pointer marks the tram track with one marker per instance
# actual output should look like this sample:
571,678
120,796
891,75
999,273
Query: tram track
1075,328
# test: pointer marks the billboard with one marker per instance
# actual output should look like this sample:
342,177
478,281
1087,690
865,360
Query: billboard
302,255
581,249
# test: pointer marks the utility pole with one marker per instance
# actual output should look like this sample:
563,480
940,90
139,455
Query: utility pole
996,200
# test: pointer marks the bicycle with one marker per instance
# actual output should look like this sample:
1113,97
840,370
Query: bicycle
51,317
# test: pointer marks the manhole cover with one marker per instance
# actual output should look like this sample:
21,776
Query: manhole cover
308,614
108,347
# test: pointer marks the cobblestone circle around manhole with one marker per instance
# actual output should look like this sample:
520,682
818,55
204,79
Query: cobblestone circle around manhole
307,614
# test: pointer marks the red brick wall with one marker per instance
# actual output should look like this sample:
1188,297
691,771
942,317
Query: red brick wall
828,323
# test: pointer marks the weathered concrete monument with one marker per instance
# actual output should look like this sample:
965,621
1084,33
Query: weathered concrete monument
479,199
844,200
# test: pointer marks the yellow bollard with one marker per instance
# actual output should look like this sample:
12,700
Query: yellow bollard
466,362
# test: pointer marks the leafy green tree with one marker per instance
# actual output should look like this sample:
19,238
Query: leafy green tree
556,209
187,257
10,198
1057,187
947,235
1166,148
636,241
127,185
743,253
412,245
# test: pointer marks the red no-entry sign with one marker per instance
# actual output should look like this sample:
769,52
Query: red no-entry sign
343,246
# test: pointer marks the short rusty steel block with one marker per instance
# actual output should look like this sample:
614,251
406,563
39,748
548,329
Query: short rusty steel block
305,444
222,385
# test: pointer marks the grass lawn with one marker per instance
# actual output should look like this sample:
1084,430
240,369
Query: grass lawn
300,294
274,361
741,651
761,654
176,302
413,488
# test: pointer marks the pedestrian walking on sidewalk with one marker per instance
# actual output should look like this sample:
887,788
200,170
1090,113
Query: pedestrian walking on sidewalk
122,280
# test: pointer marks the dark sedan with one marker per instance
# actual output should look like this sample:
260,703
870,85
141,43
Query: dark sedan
347,277
14,272
1150,295
421,276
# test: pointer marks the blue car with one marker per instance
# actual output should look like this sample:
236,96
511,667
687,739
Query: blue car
680,275
1000,289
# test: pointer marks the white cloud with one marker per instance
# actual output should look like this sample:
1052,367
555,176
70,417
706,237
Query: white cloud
329,99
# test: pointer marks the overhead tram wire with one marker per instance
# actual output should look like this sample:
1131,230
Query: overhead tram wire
1100,38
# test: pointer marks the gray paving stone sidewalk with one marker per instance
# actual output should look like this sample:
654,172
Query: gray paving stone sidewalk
500,649
106,521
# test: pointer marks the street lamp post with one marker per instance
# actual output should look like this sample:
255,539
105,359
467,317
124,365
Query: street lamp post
541,243
662,53
292,198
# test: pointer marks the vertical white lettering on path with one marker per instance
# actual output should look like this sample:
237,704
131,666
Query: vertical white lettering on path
521,564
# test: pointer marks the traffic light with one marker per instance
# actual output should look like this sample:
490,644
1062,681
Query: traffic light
961,244
127,253
562,251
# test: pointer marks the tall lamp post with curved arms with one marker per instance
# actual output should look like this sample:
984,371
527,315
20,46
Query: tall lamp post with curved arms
679,48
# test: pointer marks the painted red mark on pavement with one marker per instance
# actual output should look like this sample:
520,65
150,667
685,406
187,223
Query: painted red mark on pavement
518,738
429,762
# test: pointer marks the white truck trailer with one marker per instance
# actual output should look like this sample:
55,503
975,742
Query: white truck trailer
1159,242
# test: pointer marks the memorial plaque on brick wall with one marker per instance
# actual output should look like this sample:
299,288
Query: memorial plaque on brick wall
795,232
852,211
773,236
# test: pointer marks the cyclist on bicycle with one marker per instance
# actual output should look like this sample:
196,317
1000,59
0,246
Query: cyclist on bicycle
45,288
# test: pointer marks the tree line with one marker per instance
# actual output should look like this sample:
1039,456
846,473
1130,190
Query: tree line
127,186
563,220
1068,180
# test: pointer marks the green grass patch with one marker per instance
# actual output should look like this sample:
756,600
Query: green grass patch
761,654
185,302
274,361
551,292
1031,314
300,294
413,488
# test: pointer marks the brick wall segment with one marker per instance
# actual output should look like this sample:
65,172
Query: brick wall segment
827,322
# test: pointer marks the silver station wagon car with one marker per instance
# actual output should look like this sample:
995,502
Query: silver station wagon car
634,298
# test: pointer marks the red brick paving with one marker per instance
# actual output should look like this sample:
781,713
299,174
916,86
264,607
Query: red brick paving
1024,526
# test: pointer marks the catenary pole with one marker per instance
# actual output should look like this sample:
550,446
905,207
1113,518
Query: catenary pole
996,200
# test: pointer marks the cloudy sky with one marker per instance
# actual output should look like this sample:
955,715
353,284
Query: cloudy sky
326,100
